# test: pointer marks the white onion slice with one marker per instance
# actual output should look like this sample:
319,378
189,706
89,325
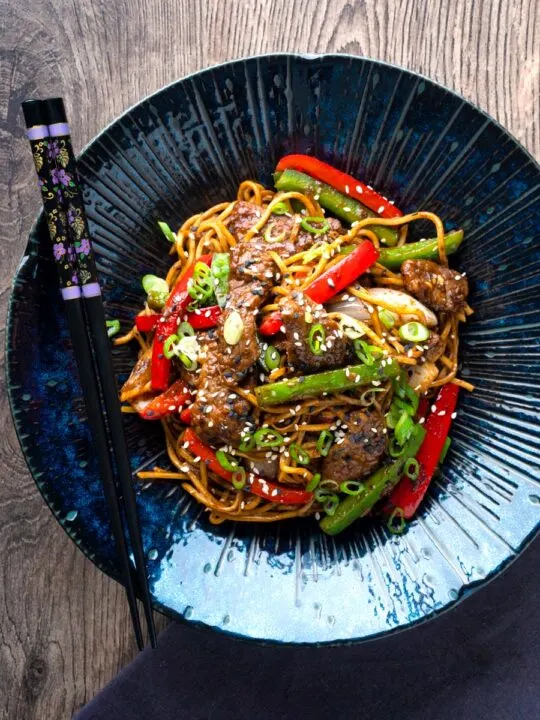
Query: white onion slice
397,300
421,376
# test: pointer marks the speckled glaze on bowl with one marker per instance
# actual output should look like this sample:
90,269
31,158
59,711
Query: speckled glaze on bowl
187,147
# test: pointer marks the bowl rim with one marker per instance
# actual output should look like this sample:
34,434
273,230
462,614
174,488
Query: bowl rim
27,256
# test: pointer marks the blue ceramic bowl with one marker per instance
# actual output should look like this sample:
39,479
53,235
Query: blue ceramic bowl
187,147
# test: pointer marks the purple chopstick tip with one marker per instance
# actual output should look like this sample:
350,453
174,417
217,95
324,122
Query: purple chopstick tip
71,293
37,132
91,290
58,129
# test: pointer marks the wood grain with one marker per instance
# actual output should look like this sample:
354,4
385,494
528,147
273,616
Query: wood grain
64,627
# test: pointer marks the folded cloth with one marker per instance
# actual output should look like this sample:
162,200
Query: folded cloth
479,660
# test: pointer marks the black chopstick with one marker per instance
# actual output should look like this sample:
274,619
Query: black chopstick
79,285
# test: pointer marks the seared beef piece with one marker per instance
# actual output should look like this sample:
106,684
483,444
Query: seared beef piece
218,415
361,450
435,347
252,274
437,286
293,312
245,214
243,217
240,357
140,375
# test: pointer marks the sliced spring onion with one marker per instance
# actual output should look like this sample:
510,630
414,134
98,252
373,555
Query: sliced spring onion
366,353
272,358
239,478
184,347
153,283
233,327
388,318
299,455
268,437
352,487
406,393
157,299
404,427
392,416
351,327
227,462
307,225
412,468
169,346
166,230
399,515
413,332
270,238
322,494
365,398
394,449
324,443
281,208
113,327
404,406
247,443
312,484
185,330
201,287
316,338
330,506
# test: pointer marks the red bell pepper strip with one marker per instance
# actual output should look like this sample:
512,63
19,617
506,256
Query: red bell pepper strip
343,274
257,485
168,402
185,416
408,494
271,324
339,180
146,323
331,282
207,317
175,307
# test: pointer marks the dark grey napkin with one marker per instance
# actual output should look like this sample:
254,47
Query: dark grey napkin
477,661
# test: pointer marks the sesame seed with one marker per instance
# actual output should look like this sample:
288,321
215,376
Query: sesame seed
359,189
422,421
331,283
453,415
317,516
172,408
433,408
296,336
347,189
381,209
347,208
374,430
443,412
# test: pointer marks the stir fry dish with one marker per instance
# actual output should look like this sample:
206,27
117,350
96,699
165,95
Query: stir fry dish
302,353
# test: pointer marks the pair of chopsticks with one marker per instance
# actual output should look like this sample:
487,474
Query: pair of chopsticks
56,167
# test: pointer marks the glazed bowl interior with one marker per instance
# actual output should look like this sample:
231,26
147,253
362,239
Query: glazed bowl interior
188,147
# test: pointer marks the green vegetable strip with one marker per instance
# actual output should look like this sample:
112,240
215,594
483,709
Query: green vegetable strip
378,484
338,204
326,382
392,257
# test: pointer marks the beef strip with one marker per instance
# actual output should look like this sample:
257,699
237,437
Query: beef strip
140,375
296,310
361,450
439,287
252,274
219,416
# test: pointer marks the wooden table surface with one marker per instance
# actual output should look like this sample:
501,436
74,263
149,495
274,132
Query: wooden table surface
64,627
